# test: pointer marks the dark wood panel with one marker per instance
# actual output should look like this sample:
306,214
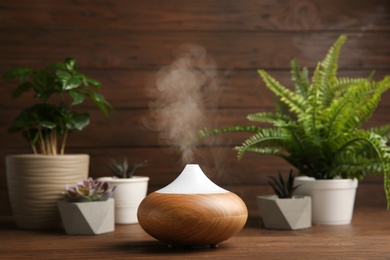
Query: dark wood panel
210,15
124,128
128,89
110,50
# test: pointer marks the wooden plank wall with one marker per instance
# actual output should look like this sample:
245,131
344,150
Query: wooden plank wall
124,44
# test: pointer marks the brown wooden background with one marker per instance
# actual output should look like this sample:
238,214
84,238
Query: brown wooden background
124,43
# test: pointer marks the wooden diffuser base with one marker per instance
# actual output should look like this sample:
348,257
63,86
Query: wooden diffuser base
192,219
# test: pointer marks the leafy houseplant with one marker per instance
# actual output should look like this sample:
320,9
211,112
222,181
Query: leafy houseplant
285,210
43,123
88,208
59,90
130,191
317,127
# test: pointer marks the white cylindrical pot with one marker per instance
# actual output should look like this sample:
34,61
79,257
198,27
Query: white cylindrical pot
128,195
332,200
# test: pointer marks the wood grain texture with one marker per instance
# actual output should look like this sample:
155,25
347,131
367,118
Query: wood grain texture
192,219
205,15
124,44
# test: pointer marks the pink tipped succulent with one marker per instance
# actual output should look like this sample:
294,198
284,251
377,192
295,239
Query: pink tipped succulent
88,190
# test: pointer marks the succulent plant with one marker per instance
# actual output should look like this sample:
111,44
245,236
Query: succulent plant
283,189
88,190
122,170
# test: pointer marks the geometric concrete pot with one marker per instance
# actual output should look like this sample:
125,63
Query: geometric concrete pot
87,218
291,214
128,195
35,183
192,211
332,200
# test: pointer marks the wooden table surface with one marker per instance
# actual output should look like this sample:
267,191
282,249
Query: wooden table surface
368,237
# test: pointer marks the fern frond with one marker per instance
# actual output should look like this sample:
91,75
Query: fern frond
229,129
383,131
295,102
300,79
265,138
269,117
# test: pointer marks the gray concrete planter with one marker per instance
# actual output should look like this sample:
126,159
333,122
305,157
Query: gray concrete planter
292,214
87,218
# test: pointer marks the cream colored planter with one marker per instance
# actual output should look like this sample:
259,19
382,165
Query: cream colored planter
332,200
128,195
35,183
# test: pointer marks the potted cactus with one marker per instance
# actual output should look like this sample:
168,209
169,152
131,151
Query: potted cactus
88,208
130,191
284,210
35,180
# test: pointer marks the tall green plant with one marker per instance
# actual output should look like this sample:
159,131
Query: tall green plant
321,133
44,123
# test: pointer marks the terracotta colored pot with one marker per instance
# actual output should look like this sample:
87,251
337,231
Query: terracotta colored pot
35,183
192,211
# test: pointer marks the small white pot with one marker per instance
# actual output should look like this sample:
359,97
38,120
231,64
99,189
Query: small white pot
289,213
87,218
128,195
332,200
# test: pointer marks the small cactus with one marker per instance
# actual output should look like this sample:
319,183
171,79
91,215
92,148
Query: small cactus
88,190
283,189
121,168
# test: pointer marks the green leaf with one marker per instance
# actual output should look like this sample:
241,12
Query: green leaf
77,122
67,80
76,97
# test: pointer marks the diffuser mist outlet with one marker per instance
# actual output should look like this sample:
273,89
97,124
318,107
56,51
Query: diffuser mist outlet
192,211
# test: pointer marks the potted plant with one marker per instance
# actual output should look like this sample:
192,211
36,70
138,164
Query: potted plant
317,128
88,208
285,210
35,180
130,191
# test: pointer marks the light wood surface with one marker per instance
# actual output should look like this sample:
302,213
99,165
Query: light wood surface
368,237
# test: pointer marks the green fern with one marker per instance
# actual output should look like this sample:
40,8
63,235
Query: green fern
321,133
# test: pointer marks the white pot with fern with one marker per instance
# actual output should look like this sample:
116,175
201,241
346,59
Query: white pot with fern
130,190
317,128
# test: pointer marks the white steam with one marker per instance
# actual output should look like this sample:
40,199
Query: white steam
183,95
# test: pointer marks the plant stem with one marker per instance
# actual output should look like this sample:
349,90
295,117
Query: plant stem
64,142
43,145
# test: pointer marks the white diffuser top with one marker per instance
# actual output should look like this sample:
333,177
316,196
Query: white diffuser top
192,180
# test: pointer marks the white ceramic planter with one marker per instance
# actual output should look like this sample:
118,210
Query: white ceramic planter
35,183
128,195
289,213
87,218
192,211
332,200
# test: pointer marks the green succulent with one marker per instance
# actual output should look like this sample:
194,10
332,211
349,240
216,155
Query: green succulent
121,168
283,188
317,127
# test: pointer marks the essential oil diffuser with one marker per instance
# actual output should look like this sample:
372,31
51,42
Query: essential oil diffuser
192,211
